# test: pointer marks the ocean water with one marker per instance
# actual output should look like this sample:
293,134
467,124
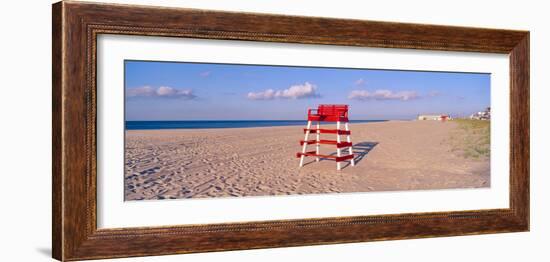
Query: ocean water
148,125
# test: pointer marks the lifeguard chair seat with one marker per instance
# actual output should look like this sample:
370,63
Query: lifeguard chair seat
328,113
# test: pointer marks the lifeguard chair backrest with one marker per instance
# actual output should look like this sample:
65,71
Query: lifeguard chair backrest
333,110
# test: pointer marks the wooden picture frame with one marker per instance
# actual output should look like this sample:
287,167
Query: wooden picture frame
76,26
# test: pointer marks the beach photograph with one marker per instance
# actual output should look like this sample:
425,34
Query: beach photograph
210,130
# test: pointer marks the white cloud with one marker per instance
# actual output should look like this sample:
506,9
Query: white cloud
434,93
306,90
383,94
163,91
264,95
140,91
359,82
205,74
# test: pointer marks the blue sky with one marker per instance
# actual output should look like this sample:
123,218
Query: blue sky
197,91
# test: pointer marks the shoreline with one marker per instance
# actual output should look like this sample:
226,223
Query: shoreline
301,123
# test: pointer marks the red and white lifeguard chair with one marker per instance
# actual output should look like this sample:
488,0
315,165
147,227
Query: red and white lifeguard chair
327,113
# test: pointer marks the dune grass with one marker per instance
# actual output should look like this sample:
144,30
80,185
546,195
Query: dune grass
472,139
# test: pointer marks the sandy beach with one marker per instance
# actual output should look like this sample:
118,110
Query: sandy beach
393,155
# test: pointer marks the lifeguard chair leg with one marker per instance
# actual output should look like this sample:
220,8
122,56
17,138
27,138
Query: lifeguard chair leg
304,147
338,150
318,146
351,147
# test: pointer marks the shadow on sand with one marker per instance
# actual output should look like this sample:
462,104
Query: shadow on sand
360,150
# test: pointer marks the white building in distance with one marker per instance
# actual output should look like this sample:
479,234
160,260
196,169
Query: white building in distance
482,115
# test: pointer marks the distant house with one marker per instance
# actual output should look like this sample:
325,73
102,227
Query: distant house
434,117
482,115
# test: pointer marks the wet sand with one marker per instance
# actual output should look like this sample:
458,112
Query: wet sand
235,162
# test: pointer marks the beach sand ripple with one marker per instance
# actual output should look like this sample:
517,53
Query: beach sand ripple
236,162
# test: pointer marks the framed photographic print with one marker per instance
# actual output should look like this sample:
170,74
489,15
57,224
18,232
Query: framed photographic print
181,130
